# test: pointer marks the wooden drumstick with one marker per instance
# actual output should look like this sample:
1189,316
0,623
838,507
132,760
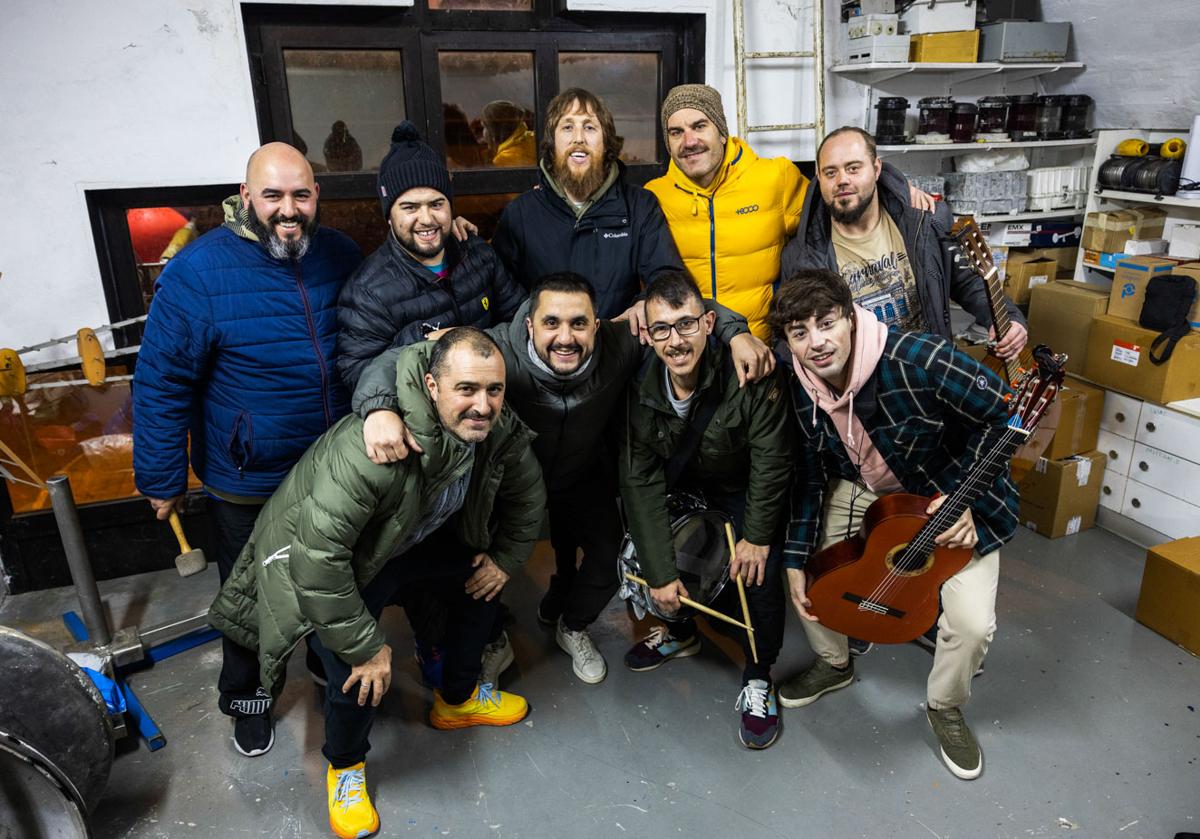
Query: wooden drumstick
742,596
699,607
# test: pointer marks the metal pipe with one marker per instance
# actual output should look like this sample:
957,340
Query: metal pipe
739,64
69,529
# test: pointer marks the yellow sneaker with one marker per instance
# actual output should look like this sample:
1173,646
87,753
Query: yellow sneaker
351,815
487,706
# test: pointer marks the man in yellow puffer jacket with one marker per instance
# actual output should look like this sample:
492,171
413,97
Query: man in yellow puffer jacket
730,211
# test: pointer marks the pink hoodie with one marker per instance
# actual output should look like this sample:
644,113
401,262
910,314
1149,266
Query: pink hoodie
868,343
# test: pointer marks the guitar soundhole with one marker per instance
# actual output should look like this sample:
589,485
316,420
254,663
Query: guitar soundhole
904,566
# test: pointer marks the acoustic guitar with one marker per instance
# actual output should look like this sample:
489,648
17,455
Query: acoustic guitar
882,584
1012,370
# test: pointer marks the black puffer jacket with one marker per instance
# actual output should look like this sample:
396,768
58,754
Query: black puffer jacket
941,276
620,242
392,300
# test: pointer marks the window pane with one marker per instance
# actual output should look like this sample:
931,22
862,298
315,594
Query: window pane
484,5
487,109
483,210
628,84
344,105
359,218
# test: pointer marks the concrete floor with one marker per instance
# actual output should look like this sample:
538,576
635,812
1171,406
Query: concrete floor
1086,718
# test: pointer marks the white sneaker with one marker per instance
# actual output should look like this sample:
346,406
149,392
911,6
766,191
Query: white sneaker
586,660
497,657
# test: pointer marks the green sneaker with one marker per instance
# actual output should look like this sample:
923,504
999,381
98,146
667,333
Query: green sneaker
814,683
960,750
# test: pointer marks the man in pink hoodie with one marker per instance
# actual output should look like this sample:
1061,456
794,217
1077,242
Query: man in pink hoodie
883,411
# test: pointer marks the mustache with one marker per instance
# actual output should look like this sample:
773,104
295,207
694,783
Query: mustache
280,218
556,347
693,149
476,415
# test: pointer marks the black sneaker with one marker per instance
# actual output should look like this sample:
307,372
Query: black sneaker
818,680
254,734
658,648
860,647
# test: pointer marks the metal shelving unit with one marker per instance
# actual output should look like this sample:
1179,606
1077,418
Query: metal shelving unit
1036,215
876,72
952,147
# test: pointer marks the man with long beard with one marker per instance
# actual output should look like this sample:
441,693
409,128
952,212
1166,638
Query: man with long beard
583,216
237,361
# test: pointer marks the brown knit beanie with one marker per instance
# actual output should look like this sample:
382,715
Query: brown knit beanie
703,98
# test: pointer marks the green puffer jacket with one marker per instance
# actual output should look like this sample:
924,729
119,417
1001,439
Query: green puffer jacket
338,518
747,447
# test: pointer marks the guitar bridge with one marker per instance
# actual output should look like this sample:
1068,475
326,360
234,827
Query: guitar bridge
872,606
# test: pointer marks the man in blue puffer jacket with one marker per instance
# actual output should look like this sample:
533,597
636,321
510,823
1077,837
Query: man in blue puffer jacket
237,364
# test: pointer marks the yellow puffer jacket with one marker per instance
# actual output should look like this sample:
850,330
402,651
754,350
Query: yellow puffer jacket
731,234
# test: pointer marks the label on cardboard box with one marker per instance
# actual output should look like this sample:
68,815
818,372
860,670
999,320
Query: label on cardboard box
1073,524
1126,353
1041,279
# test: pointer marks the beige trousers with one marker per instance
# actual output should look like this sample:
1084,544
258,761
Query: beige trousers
968,618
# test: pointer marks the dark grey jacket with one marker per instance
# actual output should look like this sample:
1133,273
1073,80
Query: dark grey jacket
940,275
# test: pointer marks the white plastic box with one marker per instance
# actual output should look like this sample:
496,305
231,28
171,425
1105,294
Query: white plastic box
1058,187
877,48
925,16
877,7
862,26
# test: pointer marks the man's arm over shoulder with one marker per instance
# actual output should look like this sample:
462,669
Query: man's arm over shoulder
172,363
344,498
376,389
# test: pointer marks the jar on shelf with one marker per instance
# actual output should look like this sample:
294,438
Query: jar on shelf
1049,117
933,119
962,123
890,112
1076,110
1022,117
993,118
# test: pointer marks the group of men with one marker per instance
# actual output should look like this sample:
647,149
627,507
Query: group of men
495,384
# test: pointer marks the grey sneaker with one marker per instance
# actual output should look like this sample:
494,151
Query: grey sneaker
497,657
960,750
586,660
814,683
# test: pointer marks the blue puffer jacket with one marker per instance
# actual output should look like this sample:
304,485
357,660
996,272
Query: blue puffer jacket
238,350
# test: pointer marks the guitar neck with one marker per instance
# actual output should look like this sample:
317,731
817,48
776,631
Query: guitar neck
977,481
1000,317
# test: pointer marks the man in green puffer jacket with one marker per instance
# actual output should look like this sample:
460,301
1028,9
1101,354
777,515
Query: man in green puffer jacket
342,535
739,459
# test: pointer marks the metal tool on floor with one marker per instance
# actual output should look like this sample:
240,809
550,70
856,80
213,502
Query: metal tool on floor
128,647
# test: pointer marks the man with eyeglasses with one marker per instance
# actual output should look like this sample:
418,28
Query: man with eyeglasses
740,463
567,371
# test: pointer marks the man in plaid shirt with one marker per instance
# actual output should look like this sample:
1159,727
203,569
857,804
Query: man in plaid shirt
882,411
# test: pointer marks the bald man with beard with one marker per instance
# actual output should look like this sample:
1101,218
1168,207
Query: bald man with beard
237,369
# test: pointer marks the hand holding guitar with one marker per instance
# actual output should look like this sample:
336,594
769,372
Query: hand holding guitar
961,534
1012,343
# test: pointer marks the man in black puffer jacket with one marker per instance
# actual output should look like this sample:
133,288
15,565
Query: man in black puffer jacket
422,278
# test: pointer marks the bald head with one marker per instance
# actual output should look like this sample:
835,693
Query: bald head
280,197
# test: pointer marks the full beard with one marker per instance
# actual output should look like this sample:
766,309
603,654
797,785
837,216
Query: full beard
583,183
277,248
851,214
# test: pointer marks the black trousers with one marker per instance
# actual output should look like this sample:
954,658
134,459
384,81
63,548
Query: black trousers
240,691
441,565
585,515
767,602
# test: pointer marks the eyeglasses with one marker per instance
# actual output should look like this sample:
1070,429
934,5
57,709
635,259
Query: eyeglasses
684,327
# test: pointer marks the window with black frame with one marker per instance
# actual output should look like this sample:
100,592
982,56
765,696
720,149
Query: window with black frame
475,76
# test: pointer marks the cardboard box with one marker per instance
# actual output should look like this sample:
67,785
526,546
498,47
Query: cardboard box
950,47
1108,232
1060,316
1025,272
1185,241
1191,269
1118,358
1129,284
1065,257
932,16
1055,234
1169,602
1059,497
1078,419
1145,247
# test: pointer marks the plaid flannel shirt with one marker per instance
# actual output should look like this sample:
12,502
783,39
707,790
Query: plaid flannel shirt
932,413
